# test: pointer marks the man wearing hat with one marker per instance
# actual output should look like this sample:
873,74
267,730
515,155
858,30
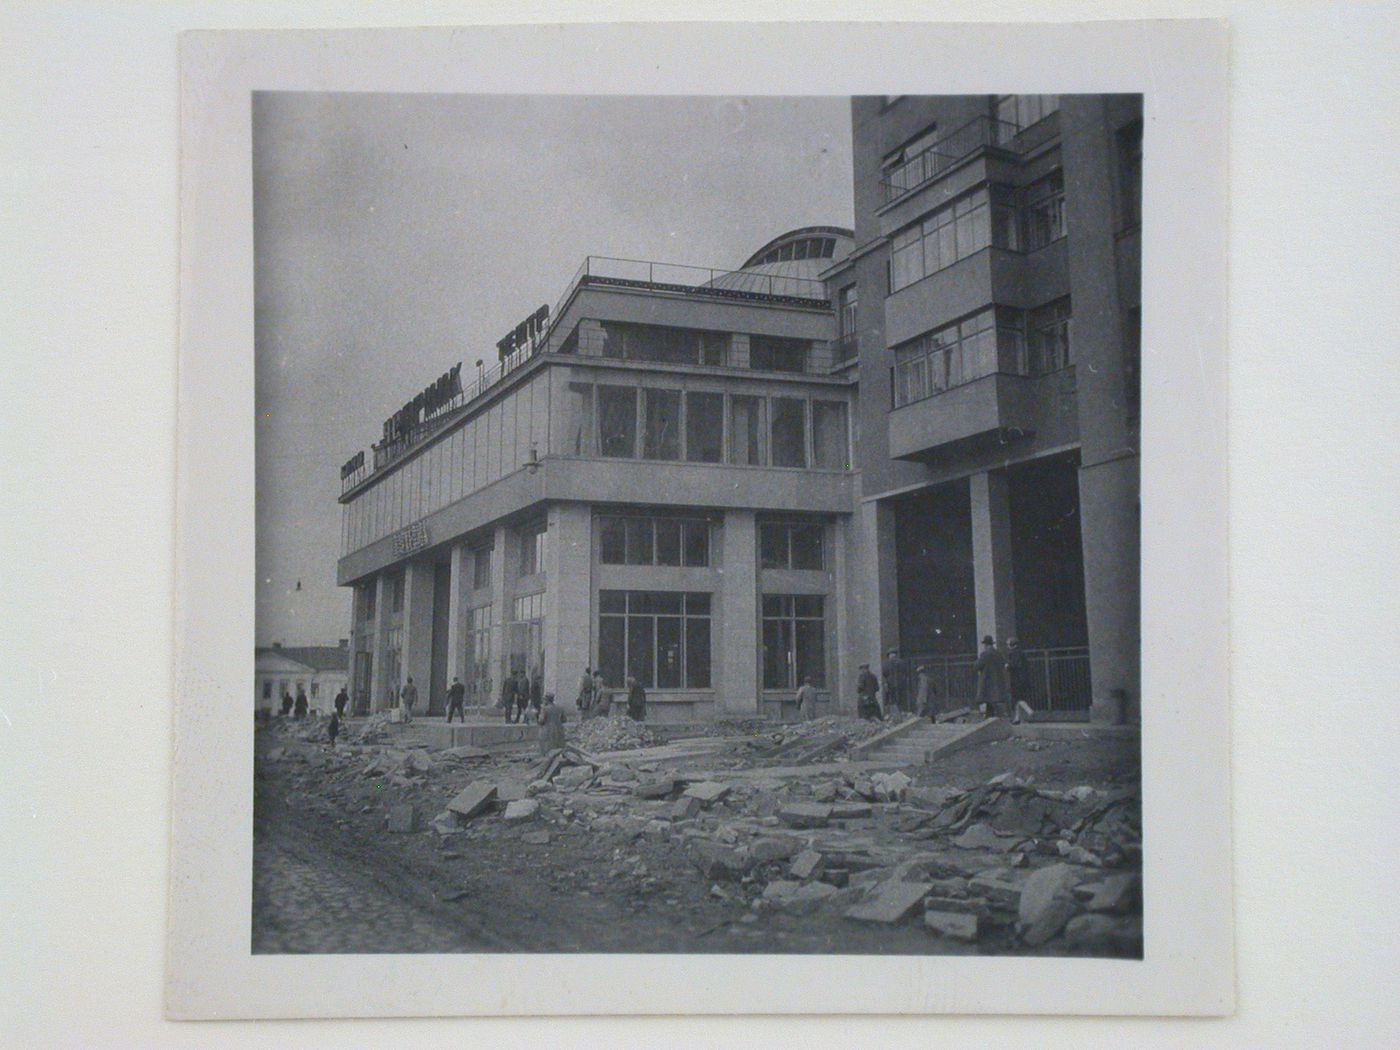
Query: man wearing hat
892,671
867,692
991,678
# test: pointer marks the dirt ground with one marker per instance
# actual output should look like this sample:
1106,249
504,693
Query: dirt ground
596,870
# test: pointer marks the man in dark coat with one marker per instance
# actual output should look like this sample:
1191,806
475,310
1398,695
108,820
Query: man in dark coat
867,694
1018,677
341,699
302,705
286,703
536,690
636,701
991,678
508,697
892,671
456,696
522,696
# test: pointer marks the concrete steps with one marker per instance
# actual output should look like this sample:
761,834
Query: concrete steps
919,742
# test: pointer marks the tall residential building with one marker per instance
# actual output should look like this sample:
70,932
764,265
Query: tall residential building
724,482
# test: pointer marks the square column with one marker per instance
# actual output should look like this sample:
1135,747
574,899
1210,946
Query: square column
418,629
877,598
1112,587
378,689
568,598
738,612
457,615
845,606
500,607
993,579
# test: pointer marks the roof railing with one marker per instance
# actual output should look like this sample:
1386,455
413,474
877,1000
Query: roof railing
957,145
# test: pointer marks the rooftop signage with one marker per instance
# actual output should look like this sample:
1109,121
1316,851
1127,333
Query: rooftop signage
525,333
352,464
424,405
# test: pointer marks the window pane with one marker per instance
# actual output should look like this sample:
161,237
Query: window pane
777,654
714,347
639,550
772,354
481,568
617,421
697,653
612,541
697,543
640,650
772,549
829,435
663,424
774,605
612,649
668,652
697,604
789,437
746,431
667,602
668,541
807,605
806,546
578,428
704,427
811,652
612,601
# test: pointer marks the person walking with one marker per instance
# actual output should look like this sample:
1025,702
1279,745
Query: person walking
286,703
456,697
302,705
1018,678
551,719
408,697
536,690
342,698
522,696
807,701
602,699
991,678
892,671
333,728
507,703
585,690
867,694
636,701
927,694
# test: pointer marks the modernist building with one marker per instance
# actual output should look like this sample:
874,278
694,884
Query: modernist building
721,482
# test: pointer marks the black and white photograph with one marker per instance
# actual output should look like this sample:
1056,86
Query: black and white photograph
697,524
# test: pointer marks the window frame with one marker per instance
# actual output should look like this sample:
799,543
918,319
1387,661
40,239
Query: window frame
784,612
640,619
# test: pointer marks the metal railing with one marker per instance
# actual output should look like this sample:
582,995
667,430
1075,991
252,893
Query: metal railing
697,280
1055,680
976,134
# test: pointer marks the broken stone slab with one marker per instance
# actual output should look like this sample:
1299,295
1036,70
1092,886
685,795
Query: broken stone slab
767,850
981,836
418,761
718,861
521,810
960,926
708,792
825,792
1047,902
655,788
573,777
464,751
535,838
955,886
685,808
850,810
998,887
445,824
807,865
805,815
964,905
890,902
473,799
512,790
403,819
657,830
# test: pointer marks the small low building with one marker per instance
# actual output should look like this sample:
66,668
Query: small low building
321,670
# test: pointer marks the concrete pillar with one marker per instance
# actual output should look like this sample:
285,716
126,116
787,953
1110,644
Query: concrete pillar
378,688
568,616
846,611
879,599
418,628
993,579
457,614
739,614
1108,523
500,604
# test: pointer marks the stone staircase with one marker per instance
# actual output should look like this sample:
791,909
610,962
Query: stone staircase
918,742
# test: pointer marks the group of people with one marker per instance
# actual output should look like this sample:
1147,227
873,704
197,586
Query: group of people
1003,681
595,699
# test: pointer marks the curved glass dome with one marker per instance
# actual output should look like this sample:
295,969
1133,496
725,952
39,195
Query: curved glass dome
789,264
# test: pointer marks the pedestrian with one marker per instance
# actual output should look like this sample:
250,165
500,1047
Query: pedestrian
892,671
585,690
602,699
408,696
341,699
807,700
286,703
508,697
927,694
551,719
536,690
333,729
867,694
1018,678
522,696
636,701
991,678
456,696
302,706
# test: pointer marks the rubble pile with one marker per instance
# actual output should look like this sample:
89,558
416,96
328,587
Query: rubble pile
611,734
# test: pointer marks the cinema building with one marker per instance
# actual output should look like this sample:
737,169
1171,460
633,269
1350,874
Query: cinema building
722,482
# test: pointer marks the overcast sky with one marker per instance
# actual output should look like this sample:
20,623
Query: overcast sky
396,235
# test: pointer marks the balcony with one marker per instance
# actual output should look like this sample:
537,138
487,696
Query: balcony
956,146
752,285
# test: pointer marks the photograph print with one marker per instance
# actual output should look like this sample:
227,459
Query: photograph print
697,524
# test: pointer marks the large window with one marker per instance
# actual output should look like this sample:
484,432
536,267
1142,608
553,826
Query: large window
978,346
660,638
578,420
396,591
794,641
534,544
830,445
636,540
1048,337
682,346
662,433
479,682
704,427
791,545
1025,110
847,321
617,421
525,635
953,232
789,433
769,353
1043,214
366,594
481,568
746,428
